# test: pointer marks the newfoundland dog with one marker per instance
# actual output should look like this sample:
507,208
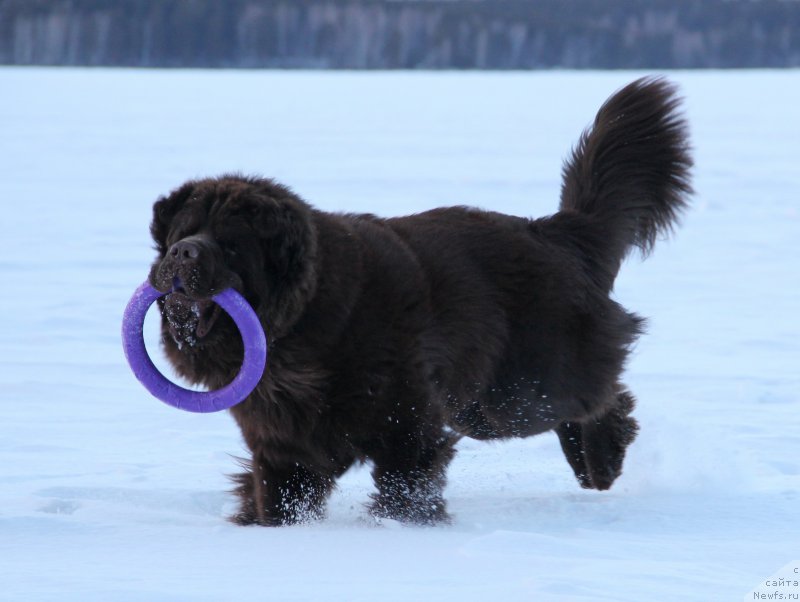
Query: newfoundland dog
390,339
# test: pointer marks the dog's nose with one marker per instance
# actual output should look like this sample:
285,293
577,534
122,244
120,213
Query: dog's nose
184,251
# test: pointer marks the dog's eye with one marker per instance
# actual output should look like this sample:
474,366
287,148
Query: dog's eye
230,253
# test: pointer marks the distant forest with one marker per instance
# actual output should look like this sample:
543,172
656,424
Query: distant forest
402,34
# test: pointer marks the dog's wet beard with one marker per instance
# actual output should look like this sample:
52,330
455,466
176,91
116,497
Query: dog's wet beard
189,321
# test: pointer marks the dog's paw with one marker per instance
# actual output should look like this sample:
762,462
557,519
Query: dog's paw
426,512
605,446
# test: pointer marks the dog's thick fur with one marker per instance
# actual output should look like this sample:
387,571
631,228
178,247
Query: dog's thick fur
389,339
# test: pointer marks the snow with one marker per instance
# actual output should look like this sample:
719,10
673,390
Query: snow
107,494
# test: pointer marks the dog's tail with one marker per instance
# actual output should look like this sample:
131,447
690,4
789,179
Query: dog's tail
628,176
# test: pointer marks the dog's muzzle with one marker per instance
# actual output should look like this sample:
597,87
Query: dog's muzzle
191,272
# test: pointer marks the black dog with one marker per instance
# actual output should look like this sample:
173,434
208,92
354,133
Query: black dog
390,339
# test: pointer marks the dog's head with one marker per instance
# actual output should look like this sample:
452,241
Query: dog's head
251,234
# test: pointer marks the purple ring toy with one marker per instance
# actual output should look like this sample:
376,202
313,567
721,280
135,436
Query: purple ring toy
255,354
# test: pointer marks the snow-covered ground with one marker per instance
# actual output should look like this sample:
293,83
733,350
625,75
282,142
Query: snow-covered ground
107,494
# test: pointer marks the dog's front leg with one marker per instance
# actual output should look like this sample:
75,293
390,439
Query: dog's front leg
410,478
279,495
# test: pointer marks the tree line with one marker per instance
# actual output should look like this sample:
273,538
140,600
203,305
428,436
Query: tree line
402,34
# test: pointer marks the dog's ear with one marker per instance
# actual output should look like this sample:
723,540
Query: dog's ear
164,210
285,226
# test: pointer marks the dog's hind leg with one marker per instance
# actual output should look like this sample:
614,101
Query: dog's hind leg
595,448
570,435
